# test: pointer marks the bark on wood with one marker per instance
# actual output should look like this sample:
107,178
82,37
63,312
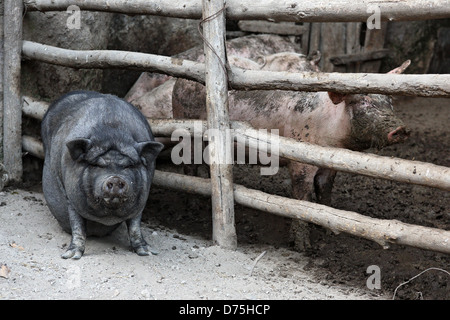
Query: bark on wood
1,88
384,232
401,84
293,10
216,80
3,174
407,171
393,84
102,59
12,108
34,108
371,165
33,146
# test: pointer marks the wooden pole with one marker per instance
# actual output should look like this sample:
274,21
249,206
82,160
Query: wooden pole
393,84
428,85
12,106
371,165
107,59
216,80
33,146
290,10
384,232
2,172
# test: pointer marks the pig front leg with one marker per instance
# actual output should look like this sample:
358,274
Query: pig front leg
137,241
78,227
323,184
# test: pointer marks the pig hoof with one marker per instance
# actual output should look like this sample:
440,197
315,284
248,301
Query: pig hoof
74,253
142,250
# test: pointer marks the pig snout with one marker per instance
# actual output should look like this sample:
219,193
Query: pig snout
397,135
115,190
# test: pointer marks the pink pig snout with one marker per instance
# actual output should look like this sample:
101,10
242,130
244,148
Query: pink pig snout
399,134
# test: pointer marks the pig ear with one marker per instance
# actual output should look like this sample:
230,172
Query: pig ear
336,97
402,68
78,148
314,57
149,150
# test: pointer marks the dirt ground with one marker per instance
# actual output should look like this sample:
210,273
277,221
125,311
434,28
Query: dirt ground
266,264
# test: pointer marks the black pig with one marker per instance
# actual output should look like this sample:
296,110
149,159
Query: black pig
99,163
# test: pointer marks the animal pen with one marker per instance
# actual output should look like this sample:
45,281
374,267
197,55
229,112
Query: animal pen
217,79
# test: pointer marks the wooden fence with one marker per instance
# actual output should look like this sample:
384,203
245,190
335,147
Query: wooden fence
221,187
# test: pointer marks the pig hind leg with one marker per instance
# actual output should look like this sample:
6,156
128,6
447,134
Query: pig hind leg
53,192
323,184
302,180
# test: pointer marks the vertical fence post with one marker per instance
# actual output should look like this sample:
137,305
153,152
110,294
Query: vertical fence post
224,233
12,103
2,7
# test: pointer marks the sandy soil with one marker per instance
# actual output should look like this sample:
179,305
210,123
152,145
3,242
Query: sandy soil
188,266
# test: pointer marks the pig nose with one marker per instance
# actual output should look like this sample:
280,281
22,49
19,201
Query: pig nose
114,188
398,135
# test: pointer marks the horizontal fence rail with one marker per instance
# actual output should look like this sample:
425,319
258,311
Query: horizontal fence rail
108,59
430,85
395,84
407,171
292,10
384,232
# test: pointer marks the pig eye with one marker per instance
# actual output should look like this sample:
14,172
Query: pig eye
129,164
101,163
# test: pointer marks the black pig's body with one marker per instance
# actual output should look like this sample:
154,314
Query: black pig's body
99,163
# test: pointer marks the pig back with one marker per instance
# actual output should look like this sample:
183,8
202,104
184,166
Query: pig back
250,47
80,113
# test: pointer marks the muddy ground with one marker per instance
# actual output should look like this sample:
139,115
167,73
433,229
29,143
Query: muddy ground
343,259
187,266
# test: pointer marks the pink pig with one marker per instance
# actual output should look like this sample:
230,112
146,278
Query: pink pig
352,121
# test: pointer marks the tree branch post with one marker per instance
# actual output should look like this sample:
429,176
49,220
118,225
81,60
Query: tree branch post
12,100
216,79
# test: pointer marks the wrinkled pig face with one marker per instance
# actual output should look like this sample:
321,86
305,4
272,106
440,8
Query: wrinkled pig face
373,122
113,179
